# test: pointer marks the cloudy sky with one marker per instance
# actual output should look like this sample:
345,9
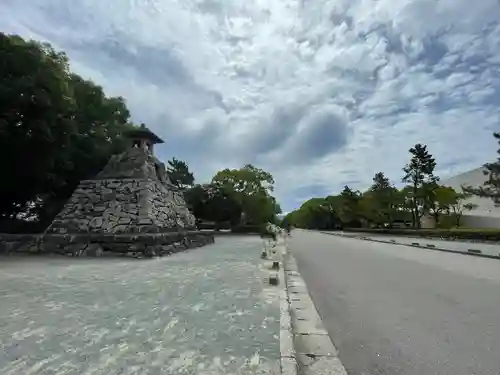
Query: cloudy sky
321,93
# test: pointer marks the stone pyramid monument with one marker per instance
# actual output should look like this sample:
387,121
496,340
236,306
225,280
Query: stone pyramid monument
130,206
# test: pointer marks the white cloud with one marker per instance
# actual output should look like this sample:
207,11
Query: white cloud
321,93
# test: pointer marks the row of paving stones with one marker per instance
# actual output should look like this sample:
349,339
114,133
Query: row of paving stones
306,347
208,311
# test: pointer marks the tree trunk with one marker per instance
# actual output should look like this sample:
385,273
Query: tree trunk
414,214
416,217
414,208
436,219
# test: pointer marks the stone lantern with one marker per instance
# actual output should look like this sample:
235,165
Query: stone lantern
143,138
129,206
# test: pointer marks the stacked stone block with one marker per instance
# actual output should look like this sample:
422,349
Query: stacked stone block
129,207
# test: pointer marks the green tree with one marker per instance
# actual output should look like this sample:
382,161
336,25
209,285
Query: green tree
210,202
491,187
36,125
179,174
349,208
99,122
252,188
316,213
55,128
248,180
260,208
419,171
459,205
196,199
381,202
439,200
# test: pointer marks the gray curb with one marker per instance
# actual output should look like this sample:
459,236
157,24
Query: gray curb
413,236
306,347
288,359
471,252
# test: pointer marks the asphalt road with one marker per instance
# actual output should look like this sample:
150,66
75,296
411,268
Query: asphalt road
393,309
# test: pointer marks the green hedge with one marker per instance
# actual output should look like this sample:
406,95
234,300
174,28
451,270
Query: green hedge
454,233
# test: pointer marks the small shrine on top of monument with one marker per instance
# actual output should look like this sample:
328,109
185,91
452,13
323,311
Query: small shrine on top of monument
143,138
132,194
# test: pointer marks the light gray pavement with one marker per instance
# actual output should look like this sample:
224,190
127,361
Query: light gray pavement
206,311
459,246
393,309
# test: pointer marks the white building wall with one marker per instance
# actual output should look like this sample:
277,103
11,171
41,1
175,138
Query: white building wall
487,214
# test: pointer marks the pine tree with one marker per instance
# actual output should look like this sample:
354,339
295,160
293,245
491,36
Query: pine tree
179,174
383,199
419,172
491,187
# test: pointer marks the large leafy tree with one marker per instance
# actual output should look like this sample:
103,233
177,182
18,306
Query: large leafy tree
439,200
349,209
316,213
252,188
248,180
179,174
99,123
55,128
382,202
418,172
210,202
36,121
